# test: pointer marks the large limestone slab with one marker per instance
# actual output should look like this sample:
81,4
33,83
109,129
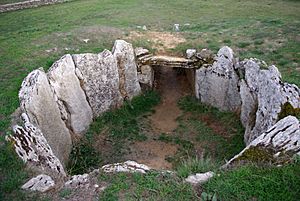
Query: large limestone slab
38,101
263,98
125,56
99,78
277,144
71,98
217,85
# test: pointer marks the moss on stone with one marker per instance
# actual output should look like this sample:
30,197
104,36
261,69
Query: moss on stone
257,154
287,109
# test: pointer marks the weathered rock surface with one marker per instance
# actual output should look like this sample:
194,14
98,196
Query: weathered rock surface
33,148
100,80
205,55
146,76
128,166
199,178
37,100
125,56
169,61
217,85
263,97
281,139
78,181
72,101
41,183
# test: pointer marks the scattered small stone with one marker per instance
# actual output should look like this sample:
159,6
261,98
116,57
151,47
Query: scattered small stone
77,181
86,40
128,166
199,178
144,28
176,27
40,183
190,53
51,50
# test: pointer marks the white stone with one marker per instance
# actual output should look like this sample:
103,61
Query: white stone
41,183
190,53
199,178
128,166
176,27
37,100
66,85
124,54
99,79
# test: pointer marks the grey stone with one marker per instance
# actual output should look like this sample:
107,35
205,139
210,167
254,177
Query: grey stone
283,137
217,85
38,101
124,54
140,51
33,148
41,183
263,95
72,100
78,181
146,76
205,55
99,78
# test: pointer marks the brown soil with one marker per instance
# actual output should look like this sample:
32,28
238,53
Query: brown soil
159,40
172,85
153,153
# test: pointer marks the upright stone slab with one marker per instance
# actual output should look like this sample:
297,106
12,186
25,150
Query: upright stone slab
129,82
99,78
217,85
73,103
37,100
263,98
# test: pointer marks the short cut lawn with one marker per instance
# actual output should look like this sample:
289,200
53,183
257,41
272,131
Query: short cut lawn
33,38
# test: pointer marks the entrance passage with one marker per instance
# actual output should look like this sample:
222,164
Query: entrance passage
172,84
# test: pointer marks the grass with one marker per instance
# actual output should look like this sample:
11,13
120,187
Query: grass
151,186
257,183
12,174
205,132
273,34
118,127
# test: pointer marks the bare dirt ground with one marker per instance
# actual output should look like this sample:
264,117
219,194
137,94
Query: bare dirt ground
161,41
172,85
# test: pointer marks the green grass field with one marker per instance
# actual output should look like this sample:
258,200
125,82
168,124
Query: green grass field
32,38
